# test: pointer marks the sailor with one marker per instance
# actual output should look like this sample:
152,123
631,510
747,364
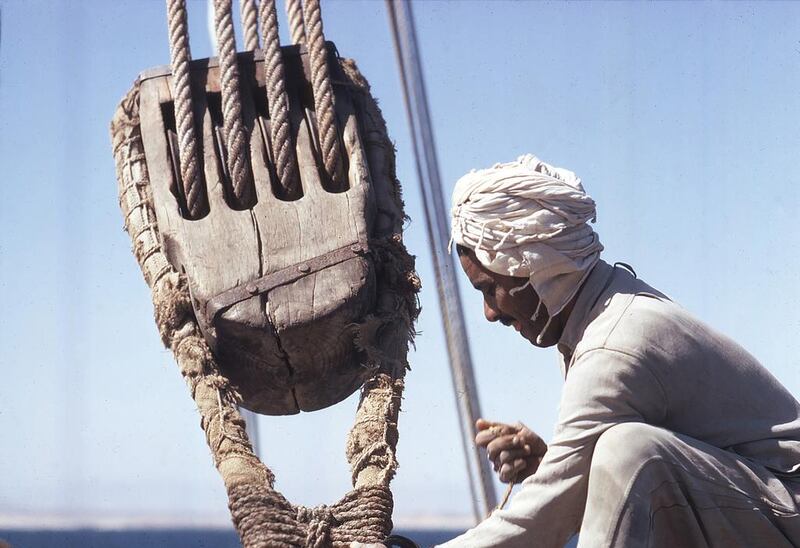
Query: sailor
669,433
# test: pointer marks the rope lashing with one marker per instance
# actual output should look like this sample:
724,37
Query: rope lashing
248,11
297,28
265,518
323,93
235,139
283,151
180,54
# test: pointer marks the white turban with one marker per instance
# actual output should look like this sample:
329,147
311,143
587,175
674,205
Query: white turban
529,219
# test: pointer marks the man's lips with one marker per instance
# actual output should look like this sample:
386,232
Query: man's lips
517,326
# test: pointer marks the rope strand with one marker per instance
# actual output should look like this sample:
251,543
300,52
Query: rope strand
283,152
323,93
180,55
235,138
247,9
297,28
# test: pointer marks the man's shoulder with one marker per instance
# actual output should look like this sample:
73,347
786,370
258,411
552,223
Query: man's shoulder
635,323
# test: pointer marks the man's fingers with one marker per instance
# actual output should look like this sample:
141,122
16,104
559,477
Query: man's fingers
498,445
525,436
510,471
511,455
483,437
483,424
507,473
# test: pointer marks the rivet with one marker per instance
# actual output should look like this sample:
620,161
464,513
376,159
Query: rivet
304,268
355,248
251,288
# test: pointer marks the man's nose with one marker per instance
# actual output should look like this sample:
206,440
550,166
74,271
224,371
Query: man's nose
491,314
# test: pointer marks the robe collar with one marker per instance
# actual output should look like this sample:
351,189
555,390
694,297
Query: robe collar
587,307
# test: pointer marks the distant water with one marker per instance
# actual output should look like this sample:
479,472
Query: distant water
163,538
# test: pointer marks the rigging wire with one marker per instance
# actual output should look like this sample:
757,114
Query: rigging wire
408,58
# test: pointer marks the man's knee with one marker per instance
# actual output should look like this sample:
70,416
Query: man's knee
621,456
623,449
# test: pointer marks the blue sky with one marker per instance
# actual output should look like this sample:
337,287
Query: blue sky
683,121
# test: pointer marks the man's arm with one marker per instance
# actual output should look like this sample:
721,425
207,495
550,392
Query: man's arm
603,388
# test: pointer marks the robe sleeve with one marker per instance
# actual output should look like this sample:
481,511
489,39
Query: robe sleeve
603,388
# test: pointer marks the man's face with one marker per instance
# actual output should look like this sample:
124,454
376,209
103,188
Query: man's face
498,303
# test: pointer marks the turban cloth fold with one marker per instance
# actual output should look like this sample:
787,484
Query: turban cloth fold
530,220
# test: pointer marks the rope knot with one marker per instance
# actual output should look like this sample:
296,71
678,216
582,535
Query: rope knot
320,519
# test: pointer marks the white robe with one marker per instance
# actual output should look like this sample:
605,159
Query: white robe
669,434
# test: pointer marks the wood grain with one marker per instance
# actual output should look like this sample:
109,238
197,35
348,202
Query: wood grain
291,349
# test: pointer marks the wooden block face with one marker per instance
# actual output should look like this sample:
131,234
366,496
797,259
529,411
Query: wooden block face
291,348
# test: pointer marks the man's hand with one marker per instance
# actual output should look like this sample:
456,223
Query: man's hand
514,450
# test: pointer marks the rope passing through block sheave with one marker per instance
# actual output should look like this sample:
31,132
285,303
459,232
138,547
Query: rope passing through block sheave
236,142
196,202
305,20
283,150
323,94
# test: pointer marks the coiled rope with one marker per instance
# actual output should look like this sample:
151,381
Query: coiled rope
283,150
323,93
180,54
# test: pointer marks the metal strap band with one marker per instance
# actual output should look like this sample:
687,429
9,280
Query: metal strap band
221,302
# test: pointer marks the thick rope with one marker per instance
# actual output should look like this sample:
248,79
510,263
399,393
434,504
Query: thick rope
323,93
190,170
297,28
247,9
235,138
283,151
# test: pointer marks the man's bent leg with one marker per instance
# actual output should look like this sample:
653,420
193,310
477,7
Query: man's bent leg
652,487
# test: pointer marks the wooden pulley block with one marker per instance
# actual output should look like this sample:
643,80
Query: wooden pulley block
279,286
